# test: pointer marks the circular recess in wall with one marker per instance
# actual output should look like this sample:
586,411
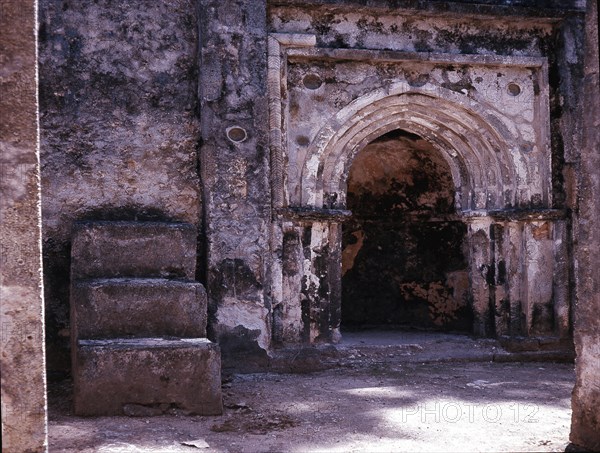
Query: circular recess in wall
236,134
302,140
312,81
513,89
526,148
417,80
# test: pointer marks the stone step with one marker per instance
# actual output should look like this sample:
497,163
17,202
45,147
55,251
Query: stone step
137,307
103,249
147,376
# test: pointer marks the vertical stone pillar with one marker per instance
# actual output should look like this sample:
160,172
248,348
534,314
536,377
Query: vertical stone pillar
21,300
334,271
321,283
519,274
287,322
561,280
480,274
235,172
311,263
531,275
585,427
538,259
511,252
499,288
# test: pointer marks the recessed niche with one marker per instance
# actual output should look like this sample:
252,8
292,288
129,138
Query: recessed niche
236,134
513,89
312,81
302,140
526,148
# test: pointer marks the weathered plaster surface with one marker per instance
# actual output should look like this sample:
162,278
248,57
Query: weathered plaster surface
501,140
121,91
585,428
118,125
235,172
288,93
513,28
378,29
21,298
485,87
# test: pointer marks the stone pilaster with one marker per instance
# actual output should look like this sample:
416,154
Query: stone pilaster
585,424
235,172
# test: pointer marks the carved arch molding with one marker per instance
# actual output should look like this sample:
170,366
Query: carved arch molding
488,116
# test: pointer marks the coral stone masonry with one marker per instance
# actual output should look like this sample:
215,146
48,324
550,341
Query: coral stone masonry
232,182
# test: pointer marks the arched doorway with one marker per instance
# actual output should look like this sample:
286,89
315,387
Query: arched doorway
404,262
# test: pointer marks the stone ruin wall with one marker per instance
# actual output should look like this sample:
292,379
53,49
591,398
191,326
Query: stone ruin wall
585,421
22,354
173,112
88,118
119,128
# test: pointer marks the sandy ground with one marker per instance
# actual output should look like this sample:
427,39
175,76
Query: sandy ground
393,403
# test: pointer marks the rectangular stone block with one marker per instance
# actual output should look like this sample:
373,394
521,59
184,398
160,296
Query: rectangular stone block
148,375
123,307
133,249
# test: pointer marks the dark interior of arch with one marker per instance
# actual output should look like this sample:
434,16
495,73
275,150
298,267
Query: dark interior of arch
404,263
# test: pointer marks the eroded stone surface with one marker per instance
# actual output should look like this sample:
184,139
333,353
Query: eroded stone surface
133,249
452,105
113,375
125,331
120,308
288,93
22,355
486,102
585,424
235,174
119,127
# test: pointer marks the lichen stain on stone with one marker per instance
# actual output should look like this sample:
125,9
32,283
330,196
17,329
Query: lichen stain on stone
234,278
246,315
393,31
238,186
442,307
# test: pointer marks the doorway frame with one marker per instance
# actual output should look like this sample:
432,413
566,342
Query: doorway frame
494,188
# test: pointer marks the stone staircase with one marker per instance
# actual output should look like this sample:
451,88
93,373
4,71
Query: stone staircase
138,322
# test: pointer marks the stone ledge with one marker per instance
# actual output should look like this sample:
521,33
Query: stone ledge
122,307
113,376
518,214
480,9
310,214
427,348
133,249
